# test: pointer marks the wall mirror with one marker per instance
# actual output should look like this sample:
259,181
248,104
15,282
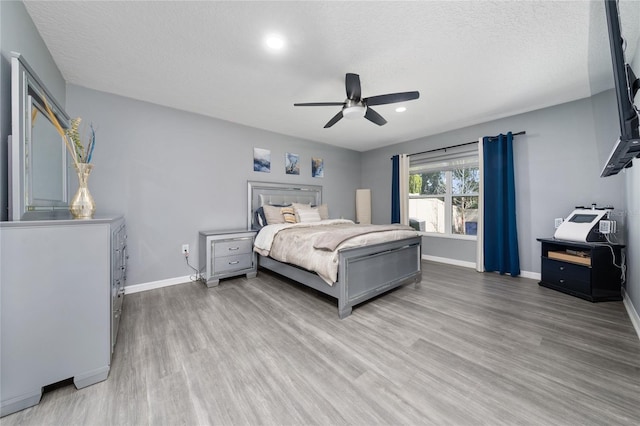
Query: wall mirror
38,158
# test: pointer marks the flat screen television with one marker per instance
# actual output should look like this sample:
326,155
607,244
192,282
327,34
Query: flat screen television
626,85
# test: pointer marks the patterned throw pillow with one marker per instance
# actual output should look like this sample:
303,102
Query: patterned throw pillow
289,214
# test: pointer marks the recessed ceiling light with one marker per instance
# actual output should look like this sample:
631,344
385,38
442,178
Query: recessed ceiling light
274,42
401,109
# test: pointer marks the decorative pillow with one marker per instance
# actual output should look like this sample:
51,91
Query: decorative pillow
297,206
289,214
323,209
273,214
258,219
308,215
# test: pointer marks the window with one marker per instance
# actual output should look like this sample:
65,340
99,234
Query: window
443,193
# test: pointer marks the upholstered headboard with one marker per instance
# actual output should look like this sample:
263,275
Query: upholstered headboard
260,193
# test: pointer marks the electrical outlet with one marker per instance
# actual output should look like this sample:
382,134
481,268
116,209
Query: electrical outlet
185,249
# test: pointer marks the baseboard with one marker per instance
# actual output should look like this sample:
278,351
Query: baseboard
631,310
472,265
532,275
448,261
136,288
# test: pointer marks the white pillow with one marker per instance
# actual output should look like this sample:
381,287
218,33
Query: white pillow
273,214
308,215
297,206
323,209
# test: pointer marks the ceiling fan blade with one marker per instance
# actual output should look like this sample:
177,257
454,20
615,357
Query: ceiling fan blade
320,104
374,117
334,120
391,98
352,83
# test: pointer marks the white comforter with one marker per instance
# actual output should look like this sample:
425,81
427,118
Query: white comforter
297,247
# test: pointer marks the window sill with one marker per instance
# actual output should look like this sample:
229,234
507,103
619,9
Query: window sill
450,236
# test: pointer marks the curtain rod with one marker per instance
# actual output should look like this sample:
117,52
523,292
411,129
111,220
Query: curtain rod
522,132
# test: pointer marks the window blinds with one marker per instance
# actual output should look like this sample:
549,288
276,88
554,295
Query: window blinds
444,159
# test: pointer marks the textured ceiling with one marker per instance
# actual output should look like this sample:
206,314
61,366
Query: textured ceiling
471,61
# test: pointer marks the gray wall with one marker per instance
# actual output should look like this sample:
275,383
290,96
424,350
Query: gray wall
557,164
18,33
632,176
174,173
632,285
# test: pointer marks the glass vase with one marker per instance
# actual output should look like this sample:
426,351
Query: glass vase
82,205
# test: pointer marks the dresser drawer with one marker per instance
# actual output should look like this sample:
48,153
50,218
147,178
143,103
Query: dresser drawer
232,247
226,264
572,277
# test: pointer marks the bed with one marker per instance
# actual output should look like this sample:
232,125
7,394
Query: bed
364,272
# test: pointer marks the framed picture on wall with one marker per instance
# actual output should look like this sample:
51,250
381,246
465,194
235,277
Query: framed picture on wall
261,160
317,167
291,164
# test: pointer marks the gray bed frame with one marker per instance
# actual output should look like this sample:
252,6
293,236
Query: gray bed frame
363,272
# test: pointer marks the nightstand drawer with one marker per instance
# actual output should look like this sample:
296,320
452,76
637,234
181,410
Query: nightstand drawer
226,264
553,269
572,277
233,247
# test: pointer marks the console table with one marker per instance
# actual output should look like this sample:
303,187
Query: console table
585,270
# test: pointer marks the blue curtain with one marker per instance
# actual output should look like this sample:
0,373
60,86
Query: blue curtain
500,232
395,189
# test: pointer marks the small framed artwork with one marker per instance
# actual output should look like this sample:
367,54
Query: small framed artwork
317,167
261,160
291,164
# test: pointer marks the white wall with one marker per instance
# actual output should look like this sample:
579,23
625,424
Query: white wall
174,173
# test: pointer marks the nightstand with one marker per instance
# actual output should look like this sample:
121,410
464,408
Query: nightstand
224,254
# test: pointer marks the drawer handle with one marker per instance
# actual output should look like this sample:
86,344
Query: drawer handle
234,262
234,248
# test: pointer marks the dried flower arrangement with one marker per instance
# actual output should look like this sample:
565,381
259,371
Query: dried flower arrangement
71,137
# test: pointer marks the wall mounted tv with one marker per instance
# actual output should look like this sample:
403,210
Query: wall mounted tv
626,85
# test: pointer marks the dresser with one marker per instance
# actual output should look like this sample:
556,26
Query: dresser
61,288
224,254
585,270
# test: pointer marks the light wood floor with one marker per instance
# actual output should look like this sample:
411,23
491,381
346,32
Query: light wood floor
463,349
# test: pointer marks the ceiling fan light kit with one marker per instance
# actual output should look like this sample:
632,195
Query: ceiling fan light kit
355,111
355,106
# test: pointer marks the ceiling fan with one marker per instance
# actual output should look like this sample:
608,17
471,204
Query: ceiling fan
355,106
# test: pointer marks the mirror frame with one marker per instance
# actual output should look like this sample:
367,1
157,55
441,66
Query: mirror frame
27,89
